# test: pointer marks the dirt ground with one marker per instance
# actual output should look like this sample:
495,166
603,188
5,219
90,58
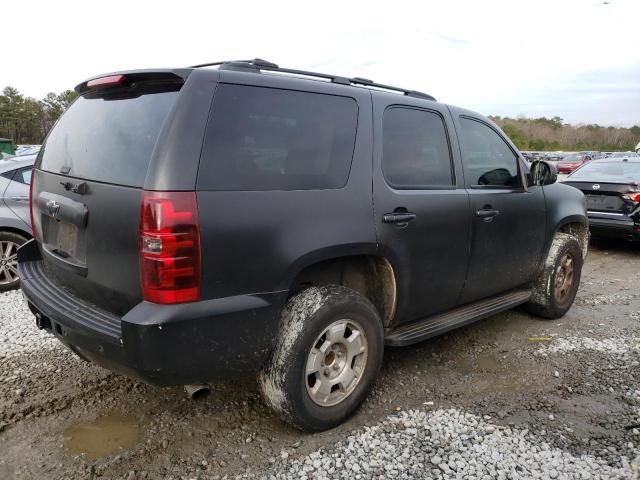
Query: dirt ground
573,381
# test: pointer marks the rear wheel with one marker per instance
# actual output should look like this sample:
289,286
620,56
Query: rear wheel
557,286
328,355
9,244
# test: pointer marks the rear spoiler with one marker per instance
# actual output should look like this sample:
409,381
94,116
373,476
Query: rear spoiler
131,77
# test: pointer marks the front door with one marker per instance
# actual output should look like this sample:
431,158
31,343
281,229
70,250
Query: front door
420,205
507,217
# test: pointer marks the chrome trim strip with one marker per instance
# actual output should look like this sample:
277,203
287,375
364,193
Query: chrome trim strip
605,213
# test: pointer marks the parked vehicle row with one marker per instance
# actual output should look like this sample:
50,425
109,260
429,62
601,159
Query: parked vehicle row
569,162
201,223
531,156
621,155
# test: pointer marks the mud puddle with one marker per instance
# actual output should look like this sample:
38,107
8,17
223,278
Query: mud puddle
106,435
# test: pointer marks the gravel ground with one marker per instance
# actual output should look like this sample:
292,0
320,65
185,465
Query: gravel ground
19,337
447,443
508,397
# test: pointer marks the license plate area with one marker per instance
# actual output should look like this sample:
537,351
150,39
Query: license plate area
64,240
604,202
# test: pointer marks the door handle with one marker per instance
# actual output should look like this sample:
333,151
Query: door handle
487,214
404,217
19,199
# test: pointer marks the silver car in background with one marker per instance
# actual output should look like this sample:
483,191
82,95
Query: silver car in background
15,228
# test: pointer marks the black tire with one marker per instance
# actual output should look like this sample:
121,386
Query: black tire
9,264
285,383
549,300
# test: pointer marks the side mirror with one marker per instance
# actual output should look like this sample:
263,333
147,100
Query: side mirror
543,173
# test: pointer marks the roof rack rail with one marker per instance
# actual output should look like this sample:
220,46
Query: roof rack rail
258,64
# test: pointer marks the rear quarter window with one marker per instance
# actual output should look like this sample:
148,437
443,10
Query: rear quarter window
272,139
24,175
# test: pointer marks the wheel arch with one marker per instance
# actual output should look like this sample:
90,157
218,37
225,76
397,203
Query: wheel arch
368,273
567,213
578,228
17,231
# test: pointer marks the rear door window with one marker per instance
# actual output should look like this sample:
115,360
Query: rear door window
415,149
108,138
488,160
272,139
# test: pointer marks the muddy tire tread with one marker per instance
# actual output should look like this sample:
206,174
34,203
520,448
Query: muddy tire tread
305,314
542,303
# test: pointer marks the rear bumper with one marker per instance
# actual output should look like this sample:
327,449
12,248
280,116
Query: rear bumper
613,226
160,344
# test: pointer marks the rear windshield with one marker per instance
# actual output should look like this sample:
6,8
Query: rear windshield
615,172
108,139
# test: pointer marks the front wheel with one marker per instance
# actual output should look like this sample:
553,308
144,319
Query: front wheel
557,286
9,244
327,357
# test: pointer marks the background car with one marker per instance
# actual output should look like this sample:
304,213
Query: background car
27,149
526,155
15,225
611,188
623,155
572,161
555,156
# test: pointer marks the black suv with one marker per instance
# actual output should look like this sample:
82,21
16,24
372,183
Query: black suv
201,223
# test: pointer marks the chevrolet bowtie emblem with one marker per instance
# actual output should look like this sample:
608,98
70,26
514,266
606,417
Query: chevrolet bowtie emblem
53,208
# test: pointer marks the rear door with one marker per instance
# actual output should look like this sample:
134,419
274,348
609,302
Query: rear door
507,217
421,207
87,187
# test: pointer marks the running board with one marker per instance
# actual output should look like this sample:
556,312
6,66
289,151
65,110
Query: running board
432,326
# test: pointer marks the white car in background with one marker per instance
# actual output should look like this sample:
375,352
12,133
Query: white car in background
15,225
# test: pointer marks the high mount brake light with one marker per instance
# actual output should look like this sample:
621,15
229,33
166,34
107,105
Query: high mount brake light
170,247
105,81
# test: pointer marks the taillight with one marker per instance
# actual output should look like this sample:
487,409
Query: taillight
634,197
170,247
31,216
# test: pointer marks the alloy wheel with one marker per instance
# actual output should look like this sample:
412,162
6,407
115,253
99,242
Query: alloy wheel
8,262
336,362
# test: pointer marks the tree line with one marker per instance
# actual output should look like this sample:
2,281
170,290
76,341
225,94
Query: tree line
552,134
26,120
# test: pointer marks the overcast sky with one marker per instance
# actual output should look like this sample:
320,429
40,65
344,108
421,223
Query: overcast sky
577,59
